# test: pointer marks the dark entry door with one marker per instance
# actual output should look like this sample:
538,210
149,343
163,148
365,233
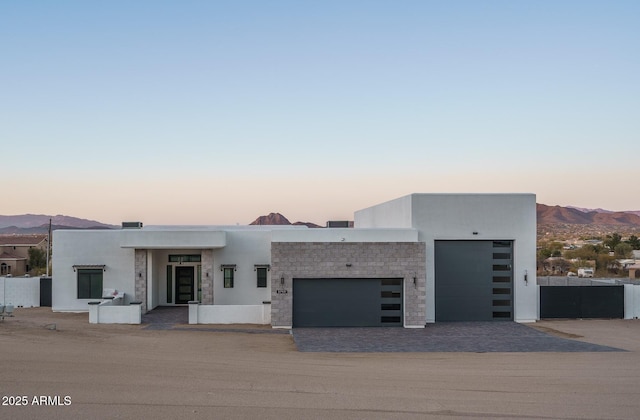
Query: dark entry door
184,284
474,280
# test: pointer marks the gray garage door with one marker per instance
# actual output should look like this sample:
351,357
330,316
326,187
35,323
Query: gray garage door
347,302
474,280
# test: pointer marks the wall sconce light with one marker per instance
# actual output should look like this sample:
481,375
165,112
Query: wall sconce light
526,277
475,233
140,275
415,280
348,264
207,274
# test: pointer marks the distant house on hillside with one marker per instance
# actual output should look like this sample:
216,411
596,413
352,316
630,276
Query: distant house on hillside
14,252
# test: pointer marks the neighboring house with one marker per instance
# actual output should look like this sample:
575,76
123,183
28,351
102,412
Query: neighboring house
418,259
14,252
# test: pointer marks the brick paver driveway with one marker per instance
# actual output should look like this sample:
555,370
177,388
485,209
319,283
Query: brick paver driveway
439,337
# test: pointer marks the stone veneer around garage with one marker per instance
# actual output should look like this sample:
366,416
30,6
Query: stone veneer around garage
290,260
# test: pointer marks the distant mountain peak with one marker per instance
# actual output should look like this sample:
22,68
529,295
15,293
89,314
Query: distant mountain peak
278,219
271,219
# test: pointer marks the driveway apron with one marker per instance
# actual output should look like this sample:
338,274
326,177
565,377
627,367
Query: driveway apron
475,337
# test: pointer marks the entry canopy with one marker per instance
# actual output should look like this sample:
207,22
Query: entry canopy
173,239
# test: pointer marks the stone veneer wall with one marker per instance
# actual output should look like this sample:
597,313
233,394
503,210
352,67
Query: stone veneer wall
207,277
290,260
141,278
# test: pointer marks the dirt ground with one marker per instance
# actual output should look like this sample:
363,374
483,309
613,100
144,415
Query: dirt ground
126,372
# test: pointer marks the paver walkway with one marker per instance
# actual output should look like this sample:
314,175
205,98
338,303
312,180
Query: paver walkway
477,337
176,318
164,317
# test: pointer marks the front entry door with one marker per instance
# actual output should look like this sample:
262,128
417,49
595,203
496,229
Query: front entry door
184,284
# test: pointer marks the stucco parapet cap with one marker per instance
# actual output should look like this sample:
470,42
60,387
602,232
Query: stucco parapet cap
173,239
347,235
221,228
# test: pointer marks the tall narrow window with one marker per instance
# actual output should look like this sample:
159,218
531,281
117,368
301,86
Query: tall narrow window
199,283
262,276
169,284
89,283
228,277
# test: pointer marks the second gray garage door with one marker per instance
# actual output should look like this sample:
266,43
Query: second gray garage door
474,280
347,302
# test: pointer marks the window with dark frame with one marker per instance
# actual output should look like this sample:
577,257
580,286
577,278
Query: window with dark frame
183,258
90,283
261,273
228,277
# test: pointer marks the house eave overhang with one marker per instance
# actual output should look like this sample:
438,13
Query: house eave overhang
172,239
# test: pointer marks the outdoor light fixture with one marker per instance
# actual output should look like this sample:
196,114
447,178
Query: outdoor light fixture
526,277
475,233
281,280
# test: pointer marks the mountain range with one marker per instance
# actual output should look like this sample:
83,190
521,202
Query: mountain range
25,224
577,216
28,224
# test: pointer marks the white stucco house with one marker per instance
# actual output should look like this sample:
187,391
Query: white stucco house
418,259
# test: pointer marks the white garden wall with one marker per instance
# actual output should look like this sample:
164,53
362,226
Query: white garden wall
229,314
107,313
20,291
631,301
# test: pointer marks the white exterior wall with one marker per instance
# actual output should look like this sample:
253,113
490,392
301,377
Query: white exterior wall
457,217
82,247
391,214
245,248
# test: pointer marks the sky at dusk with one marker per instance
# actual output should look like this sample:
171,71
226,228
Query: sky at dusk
216,112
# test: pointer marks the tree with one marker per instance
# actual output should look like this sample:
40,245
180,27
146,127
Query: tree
623,250
607,264
587,252
612,240
634,241
37,258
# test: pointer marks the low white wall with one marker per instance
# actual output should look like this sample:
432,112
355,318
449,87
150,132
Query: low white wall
631,301
107,313
229,314
20,291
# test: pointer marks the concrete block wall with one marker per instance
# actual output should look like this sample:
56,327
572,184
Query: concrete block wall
290,260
